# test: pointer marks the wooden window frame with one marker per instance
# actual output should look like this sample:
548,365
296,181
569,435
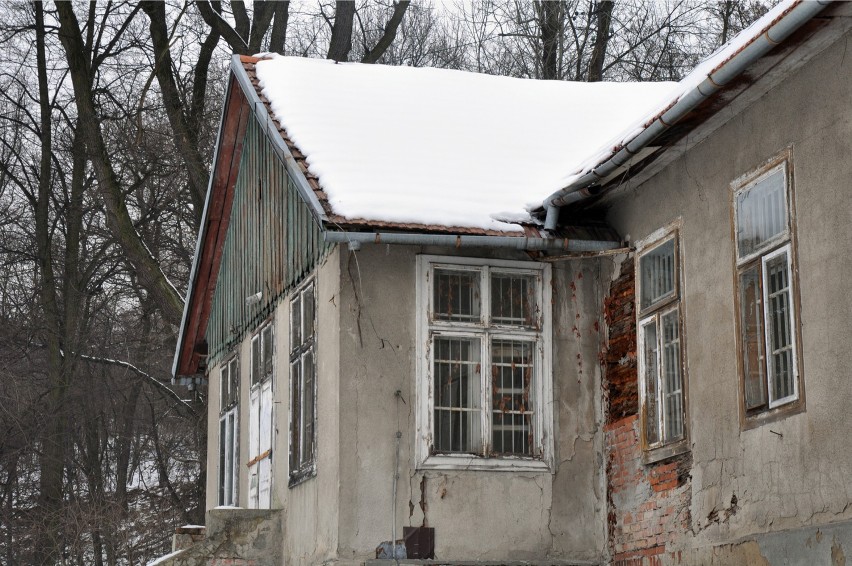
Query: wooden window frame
229,412
540,334
774,409
673,301
302,467
265,331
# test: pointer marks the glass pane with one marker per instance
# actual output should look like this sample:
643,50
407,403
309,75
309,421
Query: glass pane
230,458
255,360
649,353
295,415
513,300
267,351
779,327
295,323
751,324
308,410
457,295
223,469
457,382
265,418
761,213
512,366
308,308
658,273
234,373
224,388
672,382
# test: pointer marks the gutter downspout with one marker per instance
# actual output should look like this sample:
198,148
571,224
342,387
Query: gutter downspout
774,34
355,239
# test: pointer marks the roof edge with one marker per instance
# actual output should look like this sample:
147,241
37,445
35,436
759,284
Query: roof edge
773,33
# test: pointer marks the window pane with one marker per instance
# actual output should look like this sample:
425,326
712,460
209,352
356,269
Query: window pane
224,388
779,327
234,373
751,323
255,360
672,381
308,408
223,469
308,308
295,415
267,350
457,295
456,370
649,353
513,300
295,322
512,368
761,213
658,273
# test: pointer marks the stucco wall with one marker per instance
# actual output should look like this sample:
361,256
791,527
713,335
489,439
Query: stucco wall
796,472
310,518
476,515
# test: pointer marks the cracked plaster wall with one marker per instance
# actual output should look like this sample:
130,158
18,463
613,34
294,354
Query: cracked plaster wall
794,473
476,515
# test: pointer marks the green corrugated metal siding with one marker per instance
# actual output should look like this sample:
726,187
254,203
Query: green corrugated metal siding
272,244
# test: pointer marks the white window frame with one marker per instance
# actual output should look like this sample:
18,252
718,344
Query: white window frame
780,244
306,467
542,377
263,388
229,462
655,312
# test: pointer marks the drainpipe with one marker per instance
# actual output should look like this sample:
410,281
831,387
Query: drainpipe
355,239
776,32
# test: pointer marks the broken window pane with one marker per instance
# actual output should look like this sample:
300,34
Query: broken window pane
512,366
456,371
457,295
658,271
513,300
751,322
761,213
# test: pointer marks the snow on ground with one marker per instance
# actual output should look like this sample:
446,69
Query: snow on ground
435,146
164,559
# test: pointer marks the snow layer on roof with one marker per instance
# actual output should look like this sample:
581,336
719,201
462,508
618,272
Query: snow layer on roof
435,146
691,81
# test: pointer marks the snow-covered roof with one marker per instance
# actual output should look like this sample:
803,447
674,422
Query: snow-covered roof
441,147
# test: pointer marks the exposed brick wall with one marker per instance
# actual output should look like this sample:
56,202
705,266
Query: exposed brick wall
647,505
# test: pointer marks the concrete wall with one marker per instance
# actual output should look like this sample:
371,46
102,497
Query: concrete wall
795,473
476,515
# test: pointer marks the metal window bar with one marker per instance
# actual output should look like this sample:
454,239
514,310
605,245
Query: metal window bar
672,382
512,406
456,370
780,333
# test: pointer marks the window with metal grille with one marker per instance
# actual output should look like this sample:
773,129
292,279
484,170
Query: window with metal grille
483,378
302,384
661,368
229,469
769,359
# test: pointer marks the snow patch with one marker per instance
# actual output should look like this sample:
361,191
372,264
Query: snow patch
166,558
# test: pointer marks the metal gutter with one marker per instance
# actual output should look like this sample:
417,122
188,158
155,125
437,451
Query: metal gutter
202,233
355,239
776,32
278,143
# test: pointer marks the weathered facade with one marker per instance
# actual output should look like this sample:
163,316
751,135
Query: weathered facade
676,397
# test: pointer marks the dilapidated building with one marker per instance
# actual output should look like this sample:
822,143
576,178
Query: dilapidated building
643,367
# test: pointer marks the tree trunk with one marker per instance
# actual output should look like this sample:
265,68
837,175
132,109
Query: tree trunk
341,32
604,15
550,16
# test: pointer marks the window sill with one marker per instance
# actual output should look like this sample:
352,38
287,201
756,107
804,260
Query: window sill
756,420
478,463
302,476
660,453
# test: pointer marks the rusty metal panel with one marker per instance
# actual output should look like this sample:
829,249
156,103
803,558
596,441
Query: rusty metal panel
272,244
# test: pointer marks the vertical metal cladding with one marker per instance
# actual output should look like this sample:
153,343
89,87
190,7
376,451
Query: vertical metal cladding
273,242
